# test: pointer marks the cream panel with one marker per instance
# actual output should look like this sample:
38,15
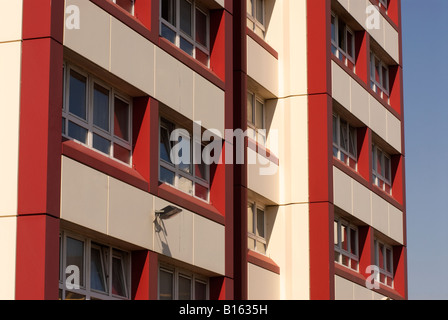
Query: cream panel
209,245
220,2
378,122
359,104
11,20
209,104
174,237
10,66
131,214
262,284
340,85
392,42
394,132
343,289
264,183
362,293
361,202
396,224
132,57
262,66
84,195
380,214
8,235
342,190
92,39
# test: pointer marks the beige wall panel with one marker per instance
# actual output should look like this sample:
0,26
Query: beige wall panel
378,122
209,245
343,288
262,284
131,214
92,39
380,214
267,75
362,293
174,238
359,104
392,42
84,195
10,67
8,235
209,104
132,57
340,85
265,185
342,190
361,202
11,20
396,224
357,8
394,132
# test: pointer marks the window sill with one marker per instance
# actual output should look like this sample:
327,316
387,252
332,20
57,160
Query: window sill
191,62
262,43
359,279
262,261
190,203
104,164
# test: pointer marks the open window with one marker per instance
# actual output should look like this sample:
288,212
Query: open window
379,77
256,17
256,224
381,169
180,284
342,41
384,261
256,118
346,244
345,142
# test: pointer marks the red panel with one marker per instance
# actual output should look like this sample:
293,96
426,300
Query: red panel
218,43
396,88
141,136
362,56
40,127
144,275
44,18
37,264
401,272
143,12
221,288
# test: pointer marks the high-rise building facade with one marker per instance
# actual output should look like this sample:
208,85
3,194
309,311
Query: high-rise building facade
202,149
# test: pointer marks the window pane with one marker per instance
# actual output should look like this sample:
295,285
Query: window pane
63,126
201,28
166,176
379,161
201,192
186,46
385,79
389,260
350,44
101,107
381,256
344,240
185,17
118,281
101,144
77,132
352,141
336,233
344,138
250,108
165,285
168,34
121,119
353,241
261,247
165,145
200,291
126,5
75,256
260,11
259,115
78,94
333,28
250,219
377,71
97,279
251,244
169,11
122,154
387,168
184,288
200,169
202,57
335,129
341,35
185,185
260,223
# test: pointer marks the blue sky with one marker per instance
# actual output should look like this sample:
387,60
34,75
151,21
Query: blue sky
425,65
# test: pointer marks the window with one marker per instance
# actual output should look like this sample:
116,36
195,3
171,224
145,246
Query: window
104,271
381,169
256,17
127,5
186,25
384,4
346,244
379,77
177,284
344,142
342,41
384,261
96,115
256,118
256,225
178,168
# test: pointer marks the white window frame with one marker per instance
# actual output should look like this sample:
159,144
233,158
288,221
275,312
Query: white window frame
163,122
338,247
256,133
85,289
384,271
252,22
342,53
87,124
180,272
179,33
253,236
338,146
383,85
133,6
376,176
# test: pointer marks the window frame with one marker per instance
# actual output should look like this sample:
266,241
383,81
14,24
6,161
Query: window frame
105,250
338,247
383,88
337,146
338,51
387,259
88,123
251,123
181,272
252,18
181,34
378,176
133,7
252,234
178,172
